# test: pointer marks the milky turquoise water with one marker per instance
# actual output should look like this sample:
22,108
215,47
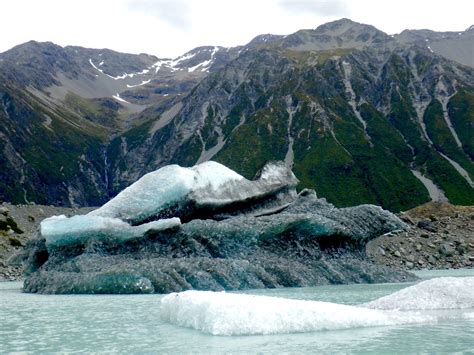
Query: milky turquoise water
132,324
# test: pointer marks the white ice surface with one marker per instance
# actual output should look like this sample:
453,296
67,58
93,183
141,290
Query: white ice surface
221,313
438,293
163,188
469,315
62,230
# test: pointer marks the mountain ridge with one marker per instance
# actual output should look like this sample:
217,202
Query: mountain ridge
361,96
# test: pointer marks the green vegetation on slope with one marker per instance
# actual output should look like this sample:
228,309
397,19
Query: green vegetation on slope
442,138
57,148
456,188
101,111
261,139
461,113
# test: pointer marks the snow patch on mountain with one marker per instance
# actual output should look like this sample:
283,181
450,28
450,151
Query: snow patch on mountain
94,66
117,97
144,82
205,64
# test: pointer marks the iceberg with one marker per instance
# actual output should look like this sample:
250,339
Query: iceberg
438,293
469,316
221,313
208,228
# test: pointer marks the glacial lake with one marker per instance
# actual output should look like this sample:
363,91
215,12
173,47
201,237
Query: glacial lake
132,324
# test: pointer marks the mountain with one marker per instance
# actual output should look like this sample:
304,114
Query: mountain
61,106
457,46
361,116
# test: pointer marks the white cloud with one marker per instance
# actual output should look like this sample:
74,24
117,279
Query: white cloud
168,28
174,12
316,7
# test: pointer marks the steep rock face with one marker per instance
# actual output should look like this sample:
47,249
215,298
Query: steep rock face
304,242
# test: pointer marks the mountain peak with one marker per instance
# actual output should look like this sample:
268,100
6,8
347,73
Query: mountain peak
343,33
264,38
337,23
342,25
33,46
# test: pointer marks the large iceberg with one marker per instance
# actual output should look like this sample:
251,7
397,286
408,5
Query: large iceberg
208,228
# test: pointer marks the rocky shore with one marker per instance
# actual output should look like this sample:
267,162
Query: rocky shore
440,236
18,224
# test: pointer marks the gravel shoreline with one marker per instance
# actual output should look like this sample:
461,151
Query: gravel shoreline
440,236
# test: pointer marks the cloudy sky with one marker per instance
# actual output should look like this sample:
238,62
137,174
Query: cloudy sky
168,28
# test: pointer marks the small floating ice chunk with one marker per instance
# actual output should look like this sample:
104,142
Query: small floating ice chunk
61,230
438,293
221,313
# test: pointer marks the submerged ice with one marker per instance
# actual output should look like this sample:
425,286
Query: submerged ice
208,228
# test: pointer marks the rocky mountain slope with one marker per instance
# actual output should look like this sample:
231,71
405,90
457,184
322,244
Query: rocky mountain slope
361,116
60,107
